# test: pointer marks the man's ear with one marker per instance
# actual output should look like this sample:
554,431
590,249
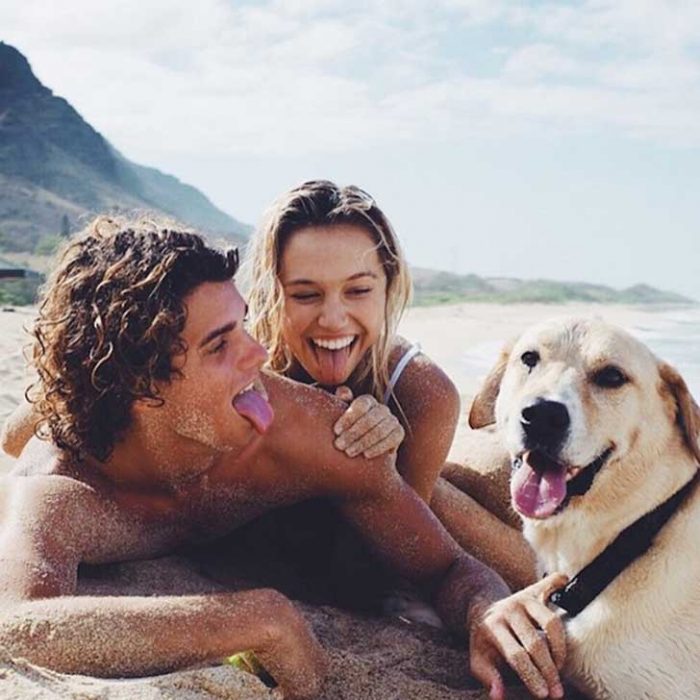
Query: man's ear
483,408
145,403
688,412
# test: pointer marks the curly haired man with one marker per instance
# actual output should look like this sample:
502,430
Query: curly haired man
161,433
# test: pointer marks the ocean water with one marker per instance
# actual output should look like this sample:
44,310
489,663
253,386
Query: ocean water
673,335
676,339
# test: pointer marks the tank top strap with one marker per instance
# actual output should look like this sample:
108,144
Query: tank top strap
398,370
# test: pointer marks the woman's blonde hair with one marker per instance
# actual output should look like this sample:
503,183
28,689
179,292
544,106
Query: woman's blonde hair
323,203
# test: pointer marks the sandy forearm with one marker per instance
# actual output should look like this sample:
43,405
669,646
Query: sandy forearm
468,586
484,536
130,636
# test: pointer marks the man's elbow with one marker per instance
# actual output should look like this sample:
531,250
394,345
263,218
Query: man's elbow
9,442
17,430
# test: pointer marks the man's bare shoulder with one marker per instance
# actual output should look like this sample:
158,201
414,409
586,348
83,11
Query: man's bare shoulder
47,525
301,442
47,511
41,481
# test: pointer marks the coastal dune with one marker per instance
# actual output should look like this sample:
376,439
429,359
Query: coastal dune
370,658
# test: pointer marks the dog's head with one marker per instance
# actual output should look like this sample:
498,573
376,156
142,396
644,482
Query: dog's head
575,398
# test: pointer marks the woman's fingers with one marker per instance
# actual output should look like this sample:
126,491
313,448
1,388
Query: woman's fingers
368,428
344,393
390,443
357,409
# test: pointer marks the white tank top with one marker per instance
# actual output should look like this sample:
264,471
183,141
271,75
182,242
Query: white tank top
398,370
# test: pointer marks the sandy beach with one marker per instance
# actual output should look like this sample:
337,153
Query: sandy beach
369,658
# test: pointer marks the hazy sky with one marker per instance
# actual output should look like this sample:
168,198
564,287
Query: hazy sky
527,139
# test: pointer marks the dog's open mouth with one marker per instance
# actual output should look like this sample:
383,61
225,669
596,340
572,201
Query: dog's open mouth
540,486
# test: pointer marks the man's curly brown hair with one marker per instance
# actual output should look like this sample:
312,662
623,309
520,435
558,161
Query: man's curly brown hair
109,324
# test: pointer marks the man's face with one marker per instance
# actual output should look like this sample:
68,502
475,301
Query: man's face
218,400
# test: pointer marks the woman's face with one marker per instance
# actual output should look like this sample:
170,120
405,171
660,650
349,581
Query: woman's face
335,299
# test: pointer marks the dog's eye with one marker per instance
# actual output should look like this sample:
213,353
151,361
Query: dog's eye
530,358
610,377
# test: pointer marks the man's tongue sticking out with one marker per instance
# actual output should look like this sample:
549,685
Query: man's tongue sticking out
255,408
332,365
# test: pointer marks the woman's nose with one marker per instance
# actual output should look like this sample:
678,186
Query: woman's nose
333,314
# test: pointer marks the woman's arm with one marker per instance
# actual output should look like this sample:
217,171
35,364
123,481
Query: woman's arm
425,407
18,429
429,405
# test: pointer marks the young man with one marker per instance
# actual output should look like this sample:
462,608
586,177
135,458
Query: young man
162,434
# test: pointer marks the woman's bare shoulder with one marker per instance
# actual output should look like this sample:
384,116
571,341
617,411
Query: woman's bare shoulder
422,381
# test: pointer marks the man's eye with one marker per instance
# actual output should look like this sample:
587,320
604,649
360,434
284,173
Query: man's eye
530,358
218,347
610,377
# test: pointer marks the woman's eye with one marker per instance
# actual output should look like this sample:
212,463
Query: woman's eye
530,358
305,296
610,377
359,291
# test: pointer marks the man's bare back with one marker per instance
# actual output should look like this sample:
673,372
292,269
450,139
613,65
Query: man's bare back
134,523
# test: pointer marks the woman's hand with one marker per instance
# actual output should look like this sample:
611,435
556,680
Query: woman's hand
367,427
524,632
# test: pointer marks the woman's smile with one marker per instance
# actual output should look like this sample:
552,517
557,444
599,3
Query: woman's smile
335,299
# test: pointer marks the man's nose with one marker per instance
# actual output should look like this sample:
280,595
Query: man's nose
254,354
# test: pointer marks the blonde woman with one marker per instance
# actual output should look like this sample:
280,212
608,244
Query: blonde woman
328,284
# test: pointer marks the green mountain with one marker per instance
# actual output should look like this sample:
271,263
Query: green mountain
432,287
56,170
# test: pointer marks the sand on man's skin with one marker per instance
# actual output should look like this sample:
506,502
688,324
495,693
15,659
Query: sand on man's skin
370,658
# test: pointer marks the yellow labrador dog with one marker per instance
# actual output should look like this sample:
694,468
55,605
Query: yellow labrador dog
604,442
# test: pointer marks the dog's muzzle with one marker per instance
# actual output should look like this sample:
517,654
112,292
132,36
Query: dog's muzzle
545,425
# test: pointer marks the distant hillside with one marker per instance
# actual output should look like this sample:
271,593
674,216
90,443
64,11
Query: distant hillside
433,287
56,170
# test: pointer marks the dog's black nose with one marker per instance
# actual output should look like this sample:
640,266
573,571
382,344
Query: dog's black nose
545,423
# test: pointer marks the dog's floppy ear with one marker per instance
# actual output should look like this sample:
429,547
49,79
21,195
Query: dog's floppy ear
688,416
483,408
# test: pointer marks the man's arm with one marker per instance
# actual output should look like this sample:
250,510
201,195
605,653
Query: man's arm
41,619
408,536
470,597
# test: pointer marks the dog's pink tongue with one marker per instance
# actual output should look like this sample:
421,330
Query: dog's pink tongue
538,486
255,408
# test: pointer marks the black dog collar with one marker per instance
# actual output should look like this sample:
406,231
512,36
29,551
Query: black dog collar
631,543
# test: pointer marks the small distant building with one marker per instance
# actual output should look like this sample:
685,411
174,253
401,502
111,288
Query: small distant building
17,273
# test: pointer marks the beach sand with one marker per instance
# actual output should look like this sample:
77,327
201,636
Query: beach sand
370,658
